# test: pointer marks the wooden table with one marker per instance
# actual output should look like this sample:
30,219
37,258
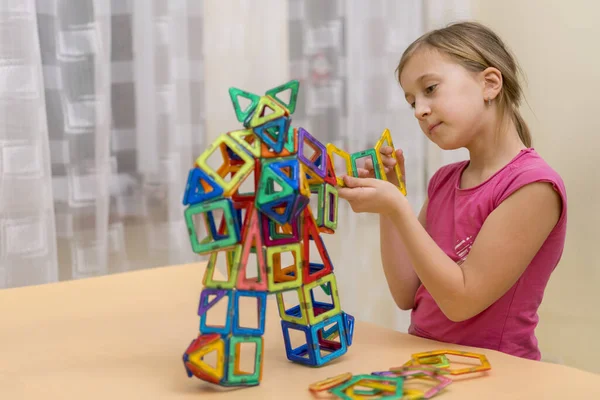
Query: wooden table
122,337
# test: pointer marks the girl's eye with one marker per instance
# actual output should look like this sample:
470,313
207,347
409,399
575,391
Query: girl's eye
430,89
412,105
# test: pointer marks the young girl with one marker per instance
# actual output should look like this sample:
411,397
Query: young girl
474,264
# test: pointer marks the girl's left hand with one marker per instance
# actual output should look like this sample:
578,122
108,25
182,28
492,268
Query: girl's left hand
369,195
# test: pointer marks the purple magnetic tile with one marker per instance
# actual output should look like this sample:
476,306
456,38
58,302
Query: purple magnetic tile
303,135
202,308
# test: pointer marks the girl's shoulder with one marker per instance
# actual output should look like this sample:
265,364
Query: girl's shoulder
525,168
529,168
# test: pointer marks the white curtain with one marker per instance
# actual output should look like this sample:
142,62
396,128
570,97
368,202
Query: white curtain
345,54
104,106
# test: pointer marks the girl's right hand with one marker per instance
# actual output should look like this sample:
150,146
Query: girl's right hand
388,162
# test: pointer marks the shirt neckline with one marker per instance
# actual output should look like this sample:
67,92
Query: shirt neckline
457,187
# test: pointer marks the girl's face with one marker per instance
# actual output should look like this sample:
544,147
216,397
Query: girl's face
448,99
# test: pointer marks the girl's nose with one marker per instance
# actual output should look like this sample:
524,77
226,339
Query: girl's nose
422,110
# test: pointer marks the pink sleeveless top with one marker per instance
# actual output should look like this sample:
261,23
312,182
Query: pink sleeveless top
454,217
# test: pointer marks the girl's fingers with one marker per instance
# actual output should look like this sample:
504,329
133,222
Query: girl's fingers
400,157
388,161
386,157
363,173
386,150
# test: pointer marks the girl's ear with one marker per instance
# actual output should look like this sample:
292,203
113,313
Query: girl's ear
492,83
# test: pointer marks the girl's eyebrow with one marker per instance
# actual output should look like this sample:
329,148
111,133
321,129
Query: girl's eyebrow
427,75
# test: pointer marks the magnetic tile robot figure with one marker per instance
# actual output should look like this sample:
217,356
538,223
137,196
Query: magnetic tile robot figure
284,166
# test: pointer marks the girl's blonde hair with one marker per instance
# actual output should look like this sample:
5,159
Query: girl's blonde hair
476,48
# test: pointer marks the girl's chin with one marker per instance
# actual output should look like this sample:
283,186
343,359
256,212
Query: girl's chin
447,144
445,140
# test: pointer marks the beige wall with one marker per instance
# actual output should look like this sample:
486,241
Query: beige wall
556,42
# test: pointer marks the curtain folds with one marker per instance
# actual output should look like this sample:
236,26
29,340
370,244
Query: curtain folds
105,105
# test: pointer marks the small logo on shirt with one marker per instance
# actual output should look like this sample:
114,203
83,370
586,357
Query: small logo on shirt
462,249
